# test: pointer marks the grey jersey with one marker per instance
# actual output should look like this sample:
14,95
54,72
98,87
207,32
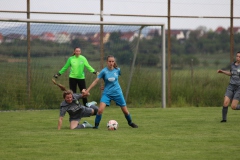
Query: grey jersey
74,109
235,74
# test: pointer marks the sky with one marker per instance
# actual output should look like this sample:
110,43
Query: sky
200,8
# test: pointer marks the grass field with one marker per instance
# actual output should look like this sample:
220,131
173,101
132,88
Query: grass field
171,133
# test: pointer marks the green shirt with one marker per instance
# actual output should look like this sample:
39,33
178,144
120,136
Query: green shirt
77,65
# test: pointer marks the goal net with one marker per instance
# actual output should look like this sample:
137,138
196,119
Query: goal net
32,51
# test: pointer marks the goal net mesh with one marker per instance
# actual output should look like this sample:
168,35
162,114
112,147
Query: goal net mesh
52,44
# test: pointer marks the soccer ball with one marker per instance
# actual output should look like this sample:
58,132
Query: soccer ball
112,125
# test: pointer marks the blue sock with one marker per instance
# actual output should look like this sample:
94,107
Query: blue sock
98,119
129,118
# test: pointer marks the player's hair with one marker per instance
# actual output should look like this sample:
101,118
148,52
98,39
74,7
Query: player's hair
67,92
115,63
75,49
238,52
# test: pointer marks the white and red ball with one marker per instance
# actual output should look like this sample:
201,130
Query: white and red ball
112,125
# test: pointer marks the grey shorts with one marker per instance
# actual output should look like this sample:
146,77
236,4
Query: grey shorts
233,92
85,112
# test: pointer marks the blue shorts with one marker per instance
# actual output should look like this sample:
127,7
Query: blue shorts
233,92
119,99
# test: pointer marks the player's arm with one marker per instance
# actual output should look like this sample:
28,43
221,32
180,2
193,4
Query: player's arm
60,122
83,95
91,86
89,67
66,66
224,72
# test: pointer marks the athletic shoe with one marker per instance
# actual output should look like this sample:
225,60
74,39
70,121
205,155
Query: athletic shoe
91,103
133,125
95,127
87,125
223,120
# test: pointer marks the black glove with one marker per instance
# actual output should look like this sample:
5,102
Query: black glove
95,72
56,75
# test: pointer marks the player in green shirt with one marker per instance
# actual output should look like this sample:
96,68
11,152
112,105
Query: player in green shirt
77,63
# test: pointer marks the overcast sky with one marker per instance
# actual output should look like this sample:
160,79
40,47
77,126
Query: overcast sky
218,8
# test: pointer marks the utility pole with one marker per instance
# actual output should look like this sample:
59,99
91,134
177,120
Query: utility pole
231,34
169,55
28,54
101,40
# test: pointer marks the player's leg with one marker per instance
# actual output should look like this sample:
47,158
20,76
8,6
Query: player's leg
120,101
98,117
87,112
227,99
73,84
128,117
74,124
105,100
82,85
225,108
234,105
235,101
94,109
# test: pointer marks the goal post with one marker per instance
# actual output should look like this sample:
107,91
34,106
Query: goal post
140,26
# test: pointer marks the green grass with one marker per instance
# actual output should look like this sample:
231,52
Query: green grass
171,133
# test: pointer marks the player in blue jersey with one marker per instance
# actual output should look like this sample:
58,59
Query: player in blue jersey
232,93
112,91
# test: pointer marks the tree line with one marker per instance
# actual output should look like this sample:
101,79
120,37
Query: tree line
149,50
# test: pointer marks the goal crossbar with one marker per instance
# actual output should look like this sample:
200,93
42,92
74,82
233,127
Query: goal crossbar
81,22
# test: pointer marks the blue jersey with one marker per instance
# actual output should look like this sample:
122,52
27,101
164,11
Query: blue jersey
112,89
110,78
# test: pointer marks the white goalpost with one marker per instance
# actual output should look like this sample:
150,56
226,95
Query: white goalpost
140,26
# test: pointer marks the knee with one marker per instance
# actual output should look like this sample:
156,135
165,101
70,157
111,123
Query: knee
95,109
233,107
225,103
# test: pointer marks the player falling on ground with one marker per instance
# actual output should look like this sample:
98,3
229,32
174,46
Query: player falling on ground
233,90
75,110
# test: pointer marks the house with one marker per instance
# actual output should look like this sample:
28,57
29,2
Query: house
33,37
62,37
95,39
14,36
235,30
219,30
152,33
186,33
130,36
47,36
178,34
77,35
